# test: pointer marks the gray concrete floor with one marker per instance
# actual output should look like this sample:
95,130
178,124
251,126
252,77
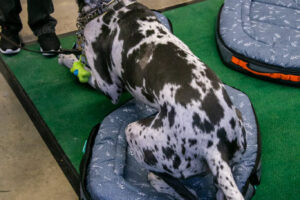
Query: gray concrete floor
27,168
66,13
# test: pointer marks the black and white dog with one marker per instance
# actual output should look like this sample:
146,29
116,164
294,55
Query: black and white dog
197,128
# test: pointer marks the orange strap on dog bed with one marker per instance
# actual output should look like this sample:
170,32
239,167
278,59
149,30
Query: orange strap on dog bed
244,65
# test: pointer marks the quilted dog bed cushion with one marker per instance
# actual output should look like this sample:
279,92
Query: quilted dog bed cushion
261,37
110,172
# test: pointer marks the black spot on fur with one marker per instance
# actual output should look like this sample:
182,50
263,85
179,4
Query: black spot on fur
226,147
168,152
227,98
149,157
162,114
209,144
188,165
108,16
176,162
146,122
196,120
232,123
182,149
149,32
213,78
206,127
201,85
161,31
182,54
148,19
212,107
148,96
171,116
192,142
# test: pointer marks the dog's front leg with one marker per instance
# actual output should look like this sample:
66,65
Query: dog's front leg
69,60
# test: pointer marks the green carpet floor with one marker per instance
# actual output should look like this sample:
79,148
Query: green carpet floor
71,109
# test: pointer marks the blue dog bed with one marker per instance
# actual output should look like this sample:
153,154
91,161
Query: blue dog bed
261,37
109,171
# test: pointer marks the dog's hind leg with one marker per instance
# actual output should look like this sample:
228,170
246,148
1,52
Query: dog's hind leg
141,141
223,176
148,143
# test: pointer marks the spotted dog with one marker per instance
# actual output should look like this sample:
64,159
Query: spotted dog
197,128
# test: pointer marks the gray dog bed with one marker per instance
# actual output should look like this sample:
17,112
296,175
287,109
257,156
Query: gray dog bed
261,37
109,172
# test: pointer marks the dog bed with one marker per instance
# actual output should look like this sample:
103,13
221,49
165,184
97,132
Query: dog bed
109,171
261,37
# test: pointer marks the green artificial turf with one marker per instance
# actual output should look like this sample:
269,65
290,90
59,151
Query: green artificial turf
71,109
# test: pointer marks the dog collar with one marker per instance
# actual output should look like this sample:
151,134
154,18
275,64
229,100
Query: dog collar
85,18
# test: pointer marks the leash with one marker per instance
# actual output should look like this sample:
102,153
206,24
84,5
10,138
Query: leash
60,51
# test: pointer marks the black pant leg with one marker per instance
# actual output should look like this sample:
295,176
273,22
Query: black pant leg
39,18
9,14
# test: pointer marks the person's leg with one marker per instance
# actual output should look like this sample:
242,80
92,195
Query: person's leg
9,14
39,19
42,24
11,25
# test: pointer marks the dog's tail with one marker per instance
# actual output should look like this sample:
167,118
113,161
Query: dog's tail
223,175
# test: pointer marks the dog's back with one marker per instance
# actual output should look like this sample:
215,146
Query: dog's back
196,126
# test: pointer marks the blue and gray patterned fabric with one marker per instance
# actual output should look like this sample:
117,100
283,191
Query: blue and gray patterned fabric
264,30
164,20
113,174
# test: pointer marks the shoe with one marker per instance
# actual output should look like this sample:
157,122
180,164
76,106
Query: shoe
49,42
6,46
